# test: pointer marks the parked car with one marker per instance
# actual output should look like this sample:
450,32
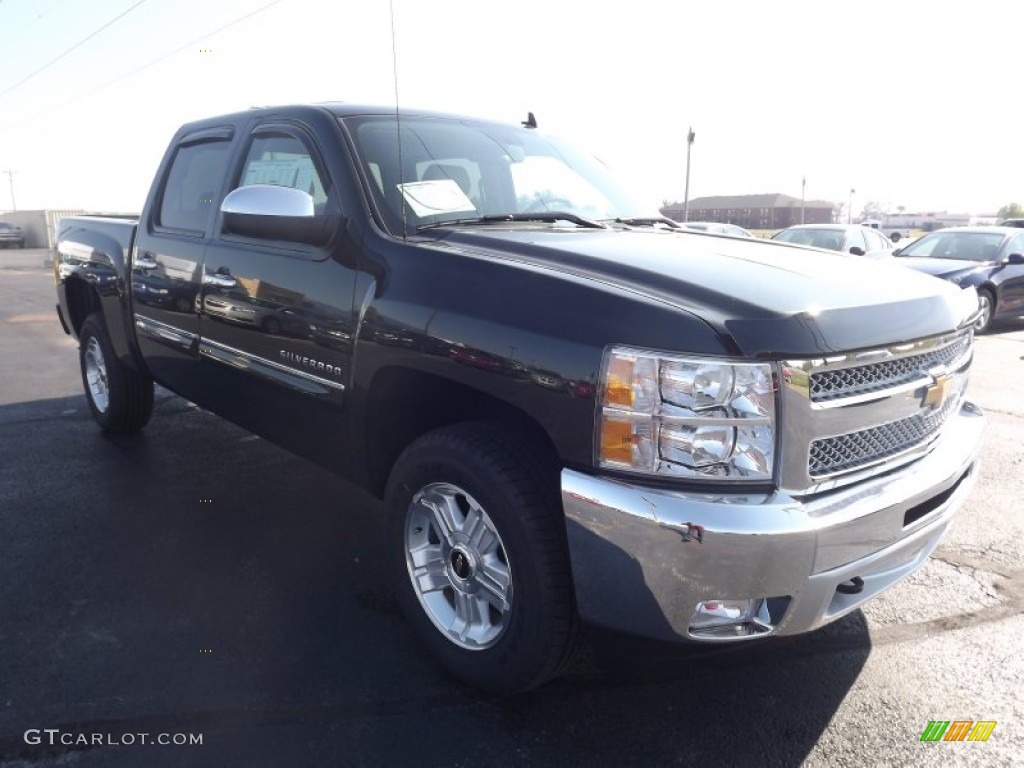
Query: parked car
159,290
11,234
989,259
696,439
896,234
717,228
269,316
846,238
1010,223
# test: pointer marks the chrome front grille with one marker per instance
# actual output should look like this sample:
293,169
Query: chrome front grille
852,451
854,415
875,377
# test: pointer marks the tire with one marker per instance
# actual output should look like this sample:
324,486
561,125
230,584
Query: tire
987,304
120,398
272,326
492,597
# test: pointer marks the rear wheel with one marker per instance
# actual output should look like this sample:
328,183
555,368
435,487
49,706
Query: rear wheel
480,559
120,398
987,306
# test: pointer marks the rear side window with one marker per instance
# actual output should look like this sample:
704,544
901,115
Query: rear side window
284,161
193,184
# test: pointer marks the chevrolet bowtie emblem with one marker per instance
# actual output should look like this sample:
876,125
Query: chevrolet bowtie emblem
935,394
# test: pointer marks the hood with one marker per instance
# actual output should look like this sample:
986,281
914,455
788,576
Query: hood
941,267
767,298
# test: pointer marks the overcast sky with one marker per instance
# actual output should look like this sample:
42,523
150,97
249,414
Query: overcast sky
911,103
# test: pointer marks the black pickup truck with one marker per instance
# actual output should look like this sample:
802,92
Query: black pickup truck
575,411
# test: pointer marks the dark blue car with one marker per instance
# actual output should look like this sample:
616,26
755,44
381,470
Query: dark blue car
991,259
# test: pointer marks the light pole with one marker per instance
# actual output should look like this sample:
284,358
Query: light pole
803,195
686,195
849,211
10,179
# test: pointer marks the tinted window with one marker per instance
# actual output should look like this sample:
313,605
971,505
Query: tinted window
193,183
284,161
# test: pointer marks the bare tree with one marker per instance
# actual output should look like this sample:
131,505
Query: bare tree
872,210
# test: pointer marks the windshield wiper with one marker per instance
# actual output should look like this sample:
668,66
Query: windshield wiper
498,218
650,221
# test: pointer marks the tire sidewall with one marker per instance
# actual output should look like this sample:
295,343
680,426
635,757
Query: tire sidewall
513,662
93,329
129,394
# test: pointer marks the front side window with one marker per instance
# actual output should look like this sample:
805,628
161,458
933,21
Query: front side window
876,242
856,240
1016,245
193,183
283,160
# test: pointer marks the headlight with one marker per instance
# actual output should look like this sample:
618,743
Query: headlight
686,417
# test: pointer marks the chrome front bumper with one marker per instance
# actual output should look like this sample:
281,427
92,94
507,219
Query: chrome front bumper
644,558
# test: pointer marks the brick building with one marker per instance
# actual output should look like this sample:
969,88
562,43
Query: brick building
772,211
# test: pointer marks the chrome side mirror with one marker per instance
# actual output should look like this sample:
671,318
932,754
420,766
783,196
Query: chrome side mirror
270,212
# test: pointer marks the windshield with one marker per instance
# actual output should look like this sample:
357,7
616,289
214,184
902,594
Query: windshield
456,169
963,246
831,239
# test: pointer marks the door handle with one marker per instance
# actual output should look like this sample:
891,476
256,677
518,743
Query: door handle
146,261
220,281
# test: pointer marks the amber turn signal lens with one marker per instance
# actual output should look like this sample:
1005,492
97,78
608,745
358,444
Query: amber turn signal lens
617,441
618,388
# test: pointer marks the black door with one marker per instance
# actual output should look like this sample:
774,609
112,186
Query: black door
168,257
276,316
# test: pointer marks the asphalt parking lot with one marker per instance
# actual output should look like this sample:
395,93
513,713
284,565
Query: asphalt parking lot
197,580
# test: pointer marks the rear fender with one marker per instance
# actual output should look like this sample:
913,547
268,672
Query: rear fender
92,270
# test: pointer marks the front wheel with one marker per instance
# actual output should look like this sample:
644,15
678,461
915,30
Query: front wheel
986,305
120,398
480,558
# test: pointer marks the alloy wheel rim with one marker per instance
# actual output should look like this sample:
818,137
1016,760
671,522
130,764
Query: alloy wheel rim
458,566
986,312
96,375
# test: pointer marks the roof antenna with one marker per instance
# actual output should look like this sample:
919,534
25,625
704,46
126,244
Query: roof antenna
398,123
530,121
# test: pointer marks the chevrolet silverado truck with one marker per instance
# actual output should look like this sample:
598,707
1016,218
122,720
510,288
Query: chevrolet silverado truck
575,411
